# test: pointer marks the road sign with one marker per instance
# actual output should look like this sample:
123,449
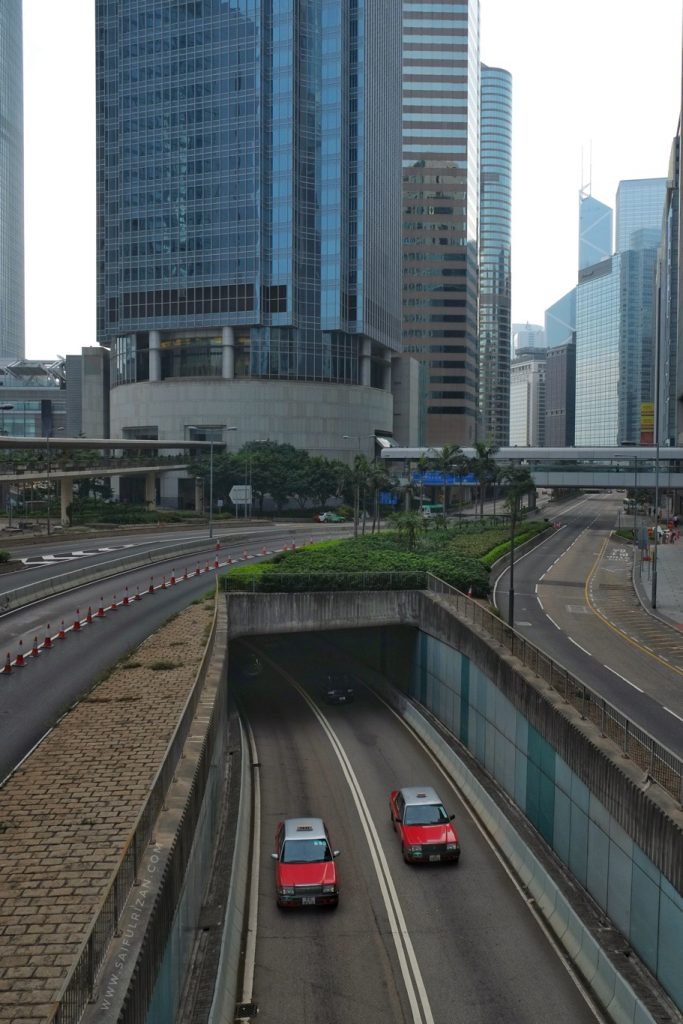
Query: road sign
387,498
240,494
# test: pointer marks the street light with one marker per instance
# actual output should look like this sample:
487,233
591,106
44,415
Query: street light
3,410
356,482
211,482
47,477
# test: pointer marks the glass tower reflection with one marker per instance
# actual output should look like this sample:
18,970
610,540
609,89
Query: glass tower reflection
249,188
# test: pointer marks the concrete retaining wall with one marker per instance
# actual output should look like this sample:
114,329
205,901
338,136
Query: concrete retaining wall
621,838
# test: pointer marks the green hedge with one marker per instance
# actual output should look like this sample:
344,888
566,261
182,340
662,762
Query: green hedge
458,556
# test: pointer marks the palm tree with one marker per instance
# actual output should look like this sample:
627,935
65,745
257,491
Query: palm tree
422,466
518,481
484,468
359,477
450,460
379,480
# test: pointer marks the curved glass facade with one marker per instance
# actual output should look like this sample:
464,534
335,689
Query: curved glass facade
11,182
494,255
235,142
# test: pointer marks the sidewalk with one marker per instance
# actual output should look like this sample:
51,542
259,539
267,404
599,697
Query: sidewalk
669,595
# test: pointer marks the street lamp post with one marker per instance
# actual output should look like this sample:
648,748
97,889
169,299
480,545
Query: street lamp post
211,483
3,410
356,483
47,477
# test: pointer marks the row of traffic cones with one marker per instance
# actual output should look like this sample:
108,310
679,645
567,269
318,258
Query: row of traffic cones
20,660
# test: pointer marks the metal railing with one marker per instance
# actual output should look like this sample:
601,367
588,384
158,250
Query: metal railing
80,984
658,762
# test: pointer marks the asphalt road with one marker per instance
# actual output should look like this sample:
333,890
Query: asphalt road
555,607
453,945
34,697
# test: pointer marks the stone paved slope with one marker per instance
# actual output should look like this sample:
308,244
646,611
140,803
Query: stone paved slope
67,814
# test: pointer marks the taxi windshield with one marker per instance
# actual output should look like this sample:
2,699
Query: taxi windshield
425,814
305,851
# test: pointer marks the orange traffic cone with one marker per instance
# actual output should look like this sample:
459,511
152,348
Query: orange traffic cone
207,567
34,650
125,596
172,577
88,617
77,620
61,635
469,590
47,642
137,594
19,660
197,570
8,665
100,611
215,563
114,605
185,573
263,550
163,583
150,589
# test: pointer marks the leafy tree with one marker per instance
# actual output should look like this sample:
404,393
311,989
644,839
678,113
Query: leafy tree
450,459
484,467
410,526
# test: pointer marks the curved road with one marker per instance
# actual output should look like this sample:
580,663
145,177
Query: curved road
34,697
572,593
427,944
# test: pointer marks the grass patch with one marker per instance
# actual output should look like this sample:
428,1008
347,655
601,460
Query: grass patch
164,666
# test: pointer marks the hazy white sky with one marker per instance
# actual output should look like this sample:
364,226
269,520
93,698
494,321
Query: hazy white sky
600,75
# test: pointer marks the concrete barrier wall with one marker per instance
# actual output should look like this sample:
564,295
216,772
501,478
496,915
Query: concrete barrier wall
620,839
41,589
622,1003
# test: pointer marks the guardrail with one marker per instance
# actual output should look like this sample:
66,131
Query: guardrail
302,582
80,984
657,761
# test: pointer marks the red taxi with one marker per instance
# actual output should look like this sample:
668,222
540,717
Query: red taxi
426,832
305,871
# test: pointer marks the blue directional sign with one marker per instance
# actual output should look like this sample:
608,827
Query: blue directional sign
387,498
434,478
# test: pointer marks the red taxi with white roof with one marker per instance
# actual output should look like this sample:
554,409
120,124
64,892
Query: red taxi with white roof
305,869
425,828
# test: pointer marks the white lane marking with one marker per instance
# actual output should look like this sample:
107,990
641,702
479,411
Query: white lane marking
405,951
553,622
580,647
540,604
673,713
535,912
623,678
252,923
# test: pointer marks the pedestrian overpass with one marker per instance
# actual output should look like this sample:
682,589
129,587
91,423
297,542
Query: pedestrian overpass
595,468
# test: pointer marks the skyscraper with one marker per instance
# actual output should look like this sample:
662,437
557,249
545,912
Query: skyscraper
595,231
560,320
11,182
640,205
598,327
527,398
441,76
494,255
249,217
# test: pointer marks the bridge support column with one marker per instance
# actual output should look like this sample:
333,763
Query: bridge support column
228,368
154,355
198,494
151,491
66,491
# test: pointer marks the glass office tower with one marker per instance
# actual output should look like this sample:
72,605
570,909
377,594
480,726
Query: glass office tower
11,182
441,76
640,205
249,213
494,255
598,325
595,231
